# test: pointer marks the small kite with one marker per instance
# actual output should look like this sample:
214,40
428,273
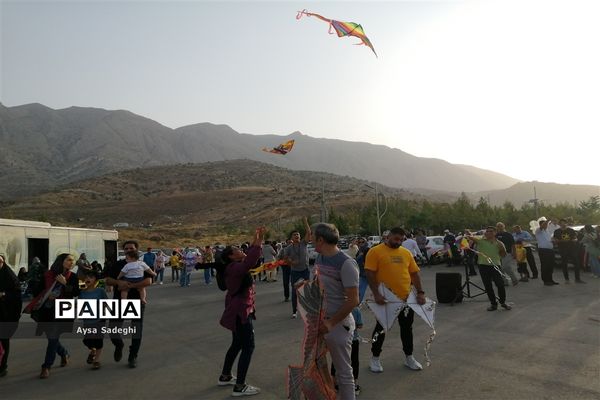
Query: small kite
387,313
266,267
282,149
342,28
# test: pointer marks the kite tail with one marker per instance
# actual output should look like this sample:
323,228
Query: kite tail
428,346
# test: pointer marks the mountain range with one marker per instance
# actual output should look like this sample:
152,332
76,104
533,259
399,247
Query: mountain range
45,148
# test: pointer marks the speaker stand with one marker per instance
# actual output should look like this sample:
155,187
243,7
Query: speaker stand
466,287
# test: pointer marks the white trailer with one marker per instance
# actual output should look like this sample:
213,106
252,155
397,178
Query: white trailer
21,241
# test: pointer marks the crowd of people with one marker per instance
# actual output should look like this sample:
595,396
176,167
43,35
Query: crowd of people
343,275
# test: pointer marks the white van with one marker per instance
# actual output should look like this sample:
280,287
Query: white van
373,240
21,241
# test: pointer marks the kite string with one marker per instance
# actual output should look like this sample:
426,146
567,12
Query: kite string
301,13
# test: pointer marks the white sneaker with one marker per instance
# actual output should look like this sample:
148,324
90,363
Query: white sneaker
413,364
229,382
247,390
375,365
160,283
294,315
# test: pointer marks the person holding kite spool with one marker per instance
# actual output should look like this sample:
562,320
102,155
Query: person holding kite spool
489,255
395,267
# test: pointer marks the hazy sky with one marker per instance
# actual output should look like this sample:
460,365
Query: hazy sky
511,86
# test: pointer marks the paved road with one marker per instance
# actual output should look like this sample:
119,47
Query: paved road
547,347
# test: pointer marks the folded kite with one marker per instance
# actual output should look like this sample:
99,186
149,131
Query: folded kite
342,28
387,313
311,380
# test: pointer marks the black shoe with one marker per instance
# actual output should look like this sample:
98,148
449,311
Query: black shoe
118,353
548,283
579,281
3,372
286,300
132,361
493,307
534,277
505,306
555,283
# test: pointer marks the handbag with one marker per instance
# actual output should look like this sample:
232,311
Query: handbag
34,308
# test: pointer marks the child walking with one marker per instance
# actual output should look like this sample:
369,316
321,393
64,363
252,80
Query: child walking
94,337
521,256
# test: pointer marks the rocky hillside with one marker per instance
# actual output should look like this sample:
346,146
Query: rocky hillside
44,148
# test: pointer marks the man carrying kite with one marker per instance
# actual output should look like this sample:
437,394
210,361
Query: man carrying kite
395,267
337,274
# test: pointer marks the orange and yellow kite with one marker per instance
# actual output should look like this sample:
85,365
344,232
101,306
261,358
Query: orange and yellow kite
282,149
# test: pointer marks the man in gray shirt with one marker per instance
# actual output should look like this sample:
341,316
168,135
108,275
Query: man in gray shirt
337,274
296,256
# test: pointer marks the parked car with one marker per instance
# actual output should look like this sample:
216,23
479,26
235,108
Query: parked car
435,249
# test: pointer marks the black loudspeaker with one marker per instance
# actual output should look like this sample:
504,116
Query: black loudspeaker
448,287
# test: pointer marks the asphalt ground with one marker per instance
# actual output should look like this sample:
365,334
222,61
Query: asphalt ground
546,347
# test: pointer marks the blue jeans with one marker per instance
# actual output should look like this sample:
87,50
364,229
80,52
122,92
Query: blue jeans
295,277
54,347
160,274
595,265
207,275
363,284
186,278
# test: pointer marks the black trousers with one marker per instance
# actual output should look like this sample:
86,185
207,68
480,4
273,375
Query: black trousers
547,264
6,347
569,253
242,340
287,272
136,340
406,334
531,262
489,274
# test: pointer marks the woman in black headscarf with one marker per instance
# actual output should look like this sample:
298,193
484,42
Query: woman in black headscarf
61,283
10,309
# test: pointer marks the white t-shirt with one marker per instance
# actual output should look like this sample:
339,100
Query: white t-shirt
412,246
135,269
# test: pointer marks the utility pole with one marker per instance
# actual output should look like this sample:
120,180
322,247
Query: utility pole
323,208
535,202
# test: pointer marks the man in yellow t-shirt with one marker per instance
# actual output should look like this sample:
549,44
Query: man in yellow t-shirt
395,267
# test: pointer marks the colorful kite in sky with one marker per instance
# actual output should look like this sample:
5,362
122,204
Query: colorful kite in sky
342,28
282,149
